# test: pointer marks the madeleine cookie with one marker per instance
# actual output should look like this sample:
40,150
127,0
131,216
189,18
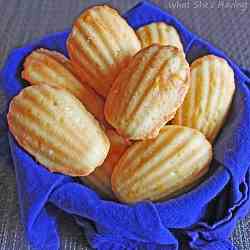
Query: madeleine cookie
160,33
159,168
100,45
209,97
55,128
146,94
43,66
100,179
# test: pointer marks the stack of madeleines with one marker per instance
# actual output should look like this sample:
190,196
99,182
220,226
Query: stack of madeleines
125,112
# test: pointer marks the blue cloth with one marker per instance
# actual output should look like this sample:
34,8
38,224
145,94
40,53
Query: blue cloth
201,219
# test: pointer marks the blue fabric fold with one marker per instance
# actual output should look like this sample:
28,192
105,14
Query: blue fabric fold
201,219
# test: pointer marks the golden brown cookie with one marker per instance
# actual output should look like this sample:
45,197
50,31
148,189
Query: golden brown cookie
55,128
209,97
100,45
43,66
159,168
146,94
160,33
100,179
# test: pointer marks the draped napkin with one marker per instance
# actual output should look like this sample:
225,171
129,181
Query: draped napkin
201,219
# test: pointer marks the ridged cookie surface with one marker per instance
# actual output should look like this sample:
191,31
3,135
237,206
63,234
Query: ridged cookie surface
100,179
146,94
100,45
160,33
55,128
43,66
209,97
159,168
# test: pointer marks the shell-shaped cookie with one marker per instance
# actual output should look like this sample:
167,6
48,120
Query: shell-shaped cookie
43,66
160,33
160,168
146,94
208,100
55,128
100,45
100,179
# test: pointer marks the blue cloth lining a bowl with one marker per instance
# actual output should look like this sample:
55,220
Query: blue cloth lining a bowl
200,219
